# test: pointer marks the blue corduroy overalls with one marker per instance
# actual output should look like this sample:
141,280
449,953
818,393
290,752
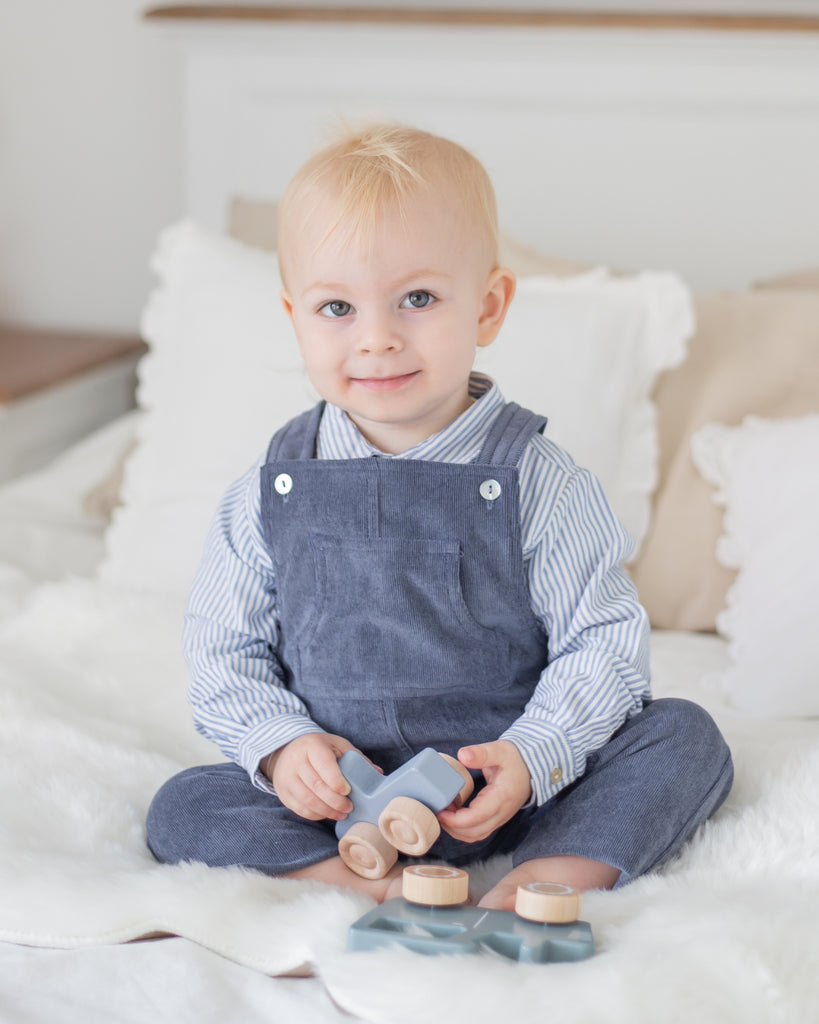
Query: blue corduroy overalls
406,622
405,616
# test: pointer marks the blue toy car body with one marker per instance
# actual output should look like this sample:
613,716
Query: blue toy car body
426,777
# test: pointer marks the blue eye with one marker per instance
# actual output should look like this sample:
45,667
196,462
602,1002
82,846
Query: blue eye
336,308
417,300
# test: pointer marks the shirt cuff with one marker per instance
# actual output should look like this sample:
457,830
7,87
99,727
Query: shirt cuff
268,737
548,755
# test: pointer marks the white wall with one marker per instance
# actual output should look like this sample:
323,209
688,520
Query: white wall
89,159
691,151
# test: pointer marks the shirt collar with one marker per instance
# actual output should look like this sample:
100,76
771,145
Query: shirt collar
460,441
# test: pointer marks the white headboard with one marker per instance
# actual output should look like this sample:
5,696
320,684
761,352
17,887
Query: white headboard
694,151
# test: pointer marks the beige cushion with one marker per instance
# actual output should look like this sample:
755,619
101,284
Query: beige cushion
754,352
808,278
526,261
254,222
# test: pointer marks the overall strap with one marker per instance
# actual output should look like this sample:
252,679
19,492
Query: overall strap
297,439
513,429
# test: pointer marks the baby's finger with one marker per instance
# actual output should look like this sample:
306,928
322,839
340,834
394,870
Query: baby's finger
324,762
320,797
477,821
304,799
335,805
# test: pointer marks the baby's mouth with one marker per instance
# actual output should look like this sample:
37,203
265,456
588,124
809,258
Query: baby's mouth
386,383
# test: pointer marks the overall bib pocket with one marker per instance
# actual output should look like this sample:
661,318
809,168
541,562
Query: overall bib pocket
377,600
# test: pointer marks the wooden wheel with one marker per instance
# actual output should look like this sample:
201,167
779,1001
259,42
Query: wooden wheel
365,851
409,826
548,902
469,783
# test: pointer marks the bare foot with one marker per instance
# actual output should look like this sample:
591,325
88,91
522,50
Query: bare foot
578,872
335,872
395,882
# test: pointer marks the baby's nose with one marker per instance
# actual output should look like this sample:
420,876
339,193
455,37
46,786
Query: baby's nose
378,337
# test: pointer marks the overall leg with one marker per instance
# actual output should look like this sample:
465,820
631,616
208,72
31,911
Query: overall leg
642,796
215,815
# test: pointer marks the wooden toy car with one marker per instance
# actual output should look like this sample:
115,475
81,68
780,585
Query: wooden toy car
396,812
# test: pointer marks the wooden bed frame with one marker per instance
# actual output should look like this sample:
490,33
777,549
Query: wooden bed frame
443,15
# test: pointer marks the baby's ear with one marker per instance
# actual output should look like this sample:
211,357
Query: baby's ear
500,290
287,302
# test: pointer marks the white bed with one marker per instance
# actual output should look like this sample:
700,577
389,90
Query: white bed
94,715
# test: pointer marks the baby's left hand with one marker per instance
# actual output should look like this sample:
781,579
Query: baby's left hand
507,790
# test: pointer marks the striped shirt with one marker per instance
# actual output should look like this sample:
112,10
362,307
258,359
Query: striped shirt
573,544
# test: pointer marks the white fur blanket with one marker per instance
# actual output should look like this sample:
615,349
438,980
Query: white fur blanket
94,719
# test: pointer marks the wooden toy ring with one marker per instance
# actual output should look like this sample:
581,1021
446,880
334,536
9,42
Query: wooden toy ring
548,902
434,885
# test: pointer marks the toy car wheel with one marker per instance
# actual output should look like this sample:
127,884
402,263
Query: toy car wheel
469,783
409,826
548,902
365,851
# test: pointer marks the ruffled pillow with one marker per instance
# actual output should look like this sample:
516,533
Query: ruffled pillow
766,475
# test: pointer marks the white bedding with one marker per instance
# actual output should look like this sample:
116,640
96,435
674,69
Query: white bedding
45,531
94,718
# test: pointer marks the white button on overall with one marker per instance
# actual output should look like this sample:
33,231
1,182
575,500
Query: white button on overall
490,490
283,483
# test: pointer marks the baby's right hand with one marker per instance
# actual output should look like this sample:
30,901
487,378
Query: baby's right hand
306,776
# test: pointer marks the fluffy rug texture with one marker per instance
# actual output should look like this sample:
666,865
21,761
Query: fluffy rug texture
94,719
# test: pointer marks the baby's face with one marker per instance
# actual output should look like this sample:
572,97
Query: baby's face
388,324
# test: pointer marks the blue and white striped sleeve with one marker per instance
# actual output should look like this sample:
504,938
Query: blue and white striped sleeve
598,672
230,638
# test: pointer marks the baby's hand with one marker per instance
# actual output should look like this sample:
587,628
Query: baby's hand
306,776
507,790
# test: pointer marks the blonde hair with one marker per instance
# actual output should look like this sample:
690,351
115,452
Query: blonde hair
381,167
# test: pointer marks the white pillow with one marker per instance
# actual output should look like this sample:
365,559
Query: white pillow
586,351
767,476
224,371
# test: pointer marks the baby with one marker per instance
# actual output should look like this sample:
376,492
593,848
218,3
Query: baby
414,563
